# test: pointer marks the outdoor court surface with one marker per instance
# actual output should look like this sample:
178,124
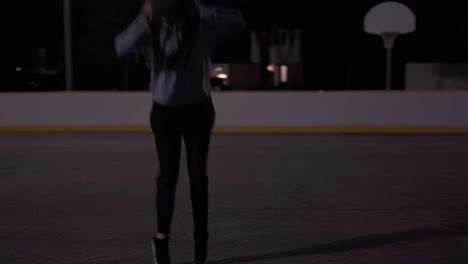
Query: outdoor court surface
275,198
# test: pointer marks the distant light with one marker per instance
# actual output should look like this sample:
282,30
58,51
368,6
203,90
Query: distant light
18,69
271,68
222,76
219,69
284,73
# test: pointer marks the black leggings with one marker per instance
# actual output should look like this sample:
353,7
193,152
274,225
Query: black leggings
169,124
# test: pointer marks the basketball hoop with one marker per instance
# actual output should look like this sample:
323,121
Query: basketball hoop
389,38
389,20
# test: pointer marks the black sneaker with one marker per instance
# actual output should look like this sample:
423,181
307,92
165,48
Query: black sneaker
200,253
161,251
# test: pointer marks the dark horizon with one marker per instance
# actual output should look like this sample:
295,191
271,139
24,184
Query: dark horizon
337,53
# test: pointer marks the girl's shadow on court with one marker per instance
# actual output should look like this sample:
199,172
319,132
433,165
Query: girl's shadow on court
368,241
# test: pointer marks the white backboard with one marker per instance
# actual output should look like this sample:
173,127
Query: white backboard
390,17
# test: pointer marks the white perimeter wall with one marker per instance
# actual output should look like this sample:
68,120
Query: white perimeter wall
244,109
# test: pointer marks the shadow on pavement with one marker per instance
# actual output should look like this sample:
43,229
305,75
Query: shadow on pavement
362,242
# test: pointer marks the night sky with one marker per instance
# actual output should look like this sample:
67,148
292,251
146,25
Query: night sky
337,53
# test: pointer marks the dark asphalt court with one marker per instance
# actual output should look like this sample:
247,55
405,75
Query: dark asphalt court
353,199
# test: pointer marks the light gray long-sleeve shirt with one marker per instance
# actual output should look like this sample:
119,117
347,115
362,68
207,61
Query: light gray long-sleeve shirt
188,81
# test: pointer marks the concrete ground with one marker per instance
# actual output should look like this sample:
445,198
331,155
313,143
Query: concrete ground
353,199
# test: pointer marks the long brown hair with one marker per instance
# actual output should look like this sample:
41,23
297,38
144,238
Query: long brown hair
180,20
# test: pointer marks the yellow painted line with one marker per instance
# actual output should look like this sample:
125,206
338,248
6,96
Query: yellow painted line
424,91
76,92
244,129
33,129
345,129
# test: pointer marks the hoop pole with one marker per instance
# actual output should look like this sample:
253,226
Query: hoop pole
389,69
389,40
68,45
